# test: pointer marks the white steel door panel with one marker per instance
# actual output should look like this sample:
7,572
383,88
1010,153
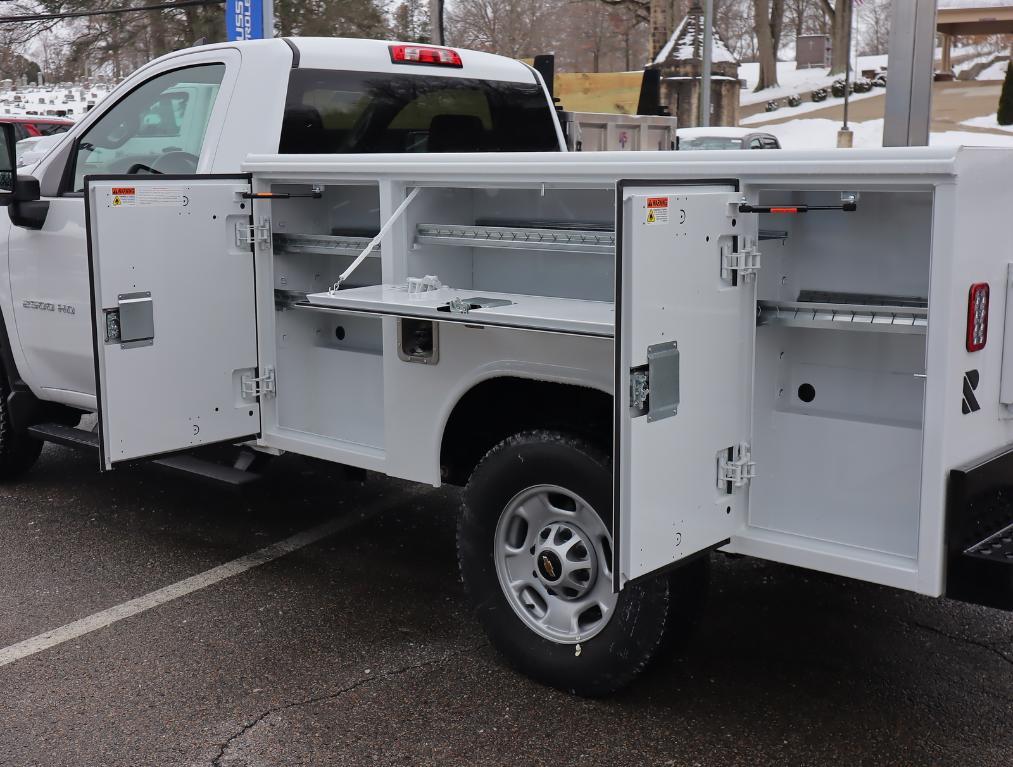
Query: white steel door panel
689,325
174,314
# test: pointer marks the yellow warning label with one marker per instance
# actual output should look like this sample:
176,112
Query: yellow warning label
657,210
651,218
117,201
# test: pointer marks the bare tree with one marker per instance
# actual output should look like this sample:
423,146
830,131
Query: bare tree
769,15
516,28
874,21
839,13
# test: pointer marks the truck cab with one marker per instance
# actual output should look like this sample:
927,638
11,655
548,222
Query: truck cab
203,110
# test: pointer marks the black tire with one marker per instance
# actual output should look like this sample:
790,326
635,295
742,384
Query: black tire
18,451
625,645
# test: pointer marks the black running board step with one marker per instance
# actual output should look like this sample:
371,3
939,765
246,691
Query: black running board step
183,463
998,547
68,436
208,470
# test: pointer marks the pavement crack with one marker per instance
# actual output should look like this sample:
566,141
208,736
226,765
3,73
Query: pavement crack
963,640
224,747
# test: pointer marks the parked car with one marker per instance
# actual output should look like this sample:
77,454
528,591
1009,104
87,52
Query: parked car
725,138
25,127
32,149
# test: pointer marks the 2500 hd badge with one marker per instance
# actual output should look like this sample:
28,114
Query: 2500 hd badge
48,306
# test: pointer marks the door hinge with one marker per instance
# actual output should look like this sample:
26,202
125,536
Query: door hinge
252,234
735,467
260,386
745,261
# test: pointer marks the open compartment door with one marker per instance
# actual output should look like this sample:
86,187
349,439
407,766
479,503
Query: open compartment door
173,313
685,328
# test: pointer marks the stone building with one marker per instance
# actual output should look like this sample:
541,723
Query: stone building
681,65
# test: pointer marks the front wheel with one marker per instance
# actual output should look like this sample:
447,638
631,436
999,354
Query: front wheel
535,548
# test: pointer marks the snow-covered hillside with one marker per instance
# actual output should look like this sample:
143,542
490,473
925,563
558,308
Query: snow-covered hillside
71,100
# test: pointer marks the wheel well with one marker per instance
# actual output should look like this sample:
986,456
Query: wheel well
499,407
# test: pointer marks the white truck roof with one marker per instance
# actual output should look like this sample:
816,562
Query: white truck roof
374,56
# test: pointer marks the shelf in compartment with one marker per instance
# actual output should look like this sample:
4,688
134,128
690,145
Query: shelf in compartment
323,244
512,310
518,238
871,318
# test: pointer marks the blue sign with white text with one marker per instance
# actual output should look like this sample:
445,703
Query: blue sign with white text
244,19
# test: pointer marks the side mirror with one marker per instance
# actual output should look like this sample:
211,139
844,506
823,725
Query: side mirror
8,164
27,208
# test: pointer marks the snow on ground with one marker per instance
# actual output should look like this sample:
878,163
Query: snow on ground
49,99
989,122
793,80
806,106
995,72
820,133
800,81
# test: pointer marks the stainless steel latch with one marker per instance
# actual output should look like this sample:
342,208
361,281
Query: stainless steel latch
260,386
654,387
132,322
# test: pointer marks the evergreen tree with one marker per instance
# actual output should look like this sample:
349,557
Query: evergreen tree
1006,98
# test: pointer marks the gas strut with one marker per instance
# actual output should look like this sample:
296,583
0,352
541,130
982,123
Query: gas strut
847,206
315,194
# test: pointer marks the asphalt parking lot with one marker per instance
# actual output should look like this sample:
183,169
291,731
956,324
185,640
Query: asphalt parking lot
359,649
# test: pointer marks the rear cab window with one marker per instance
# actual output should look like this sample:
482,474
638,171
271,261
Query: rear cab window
337,112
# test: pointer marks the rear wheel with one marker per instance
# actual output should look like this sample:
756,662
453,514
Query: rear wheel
18,451
535,548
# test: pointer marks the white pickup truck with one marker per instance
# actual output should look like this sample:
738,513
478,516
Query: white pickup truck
203,110
629,359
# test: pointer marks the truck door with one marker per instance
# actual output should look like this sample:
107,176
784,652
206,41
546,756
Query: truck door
685,326
173,313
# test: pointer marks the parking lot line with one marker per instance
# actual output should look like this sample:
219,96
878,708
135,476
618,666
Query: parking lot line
166,594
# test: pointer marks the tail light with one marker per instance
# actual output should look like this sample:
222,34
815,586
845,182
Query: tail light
977,316
425,54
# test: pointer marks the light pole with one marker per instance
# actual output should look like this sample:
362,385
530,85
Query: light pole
845,136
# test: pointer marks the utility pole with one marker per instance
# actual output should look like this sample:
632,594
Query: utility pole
708,54
268,21
436,21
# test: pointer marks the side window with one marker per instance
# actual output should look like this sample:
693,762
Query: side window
755,144
769,143
157,128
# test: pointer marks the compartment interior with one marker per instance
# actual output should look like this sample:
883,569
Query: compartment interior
838,395
840,369
329,366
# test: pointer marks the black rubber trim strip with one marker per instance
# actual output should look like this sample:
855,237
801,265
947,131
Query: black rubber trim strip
93,308
617,281
295,52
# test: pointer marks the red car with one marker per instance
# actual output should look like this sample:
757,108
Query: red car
36,126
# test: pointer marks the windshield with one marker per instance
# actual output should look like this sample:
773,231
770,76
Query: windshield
710,142
330,112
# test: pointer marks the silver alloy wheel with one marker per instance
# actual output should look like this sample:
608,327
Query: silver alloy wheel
553,558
